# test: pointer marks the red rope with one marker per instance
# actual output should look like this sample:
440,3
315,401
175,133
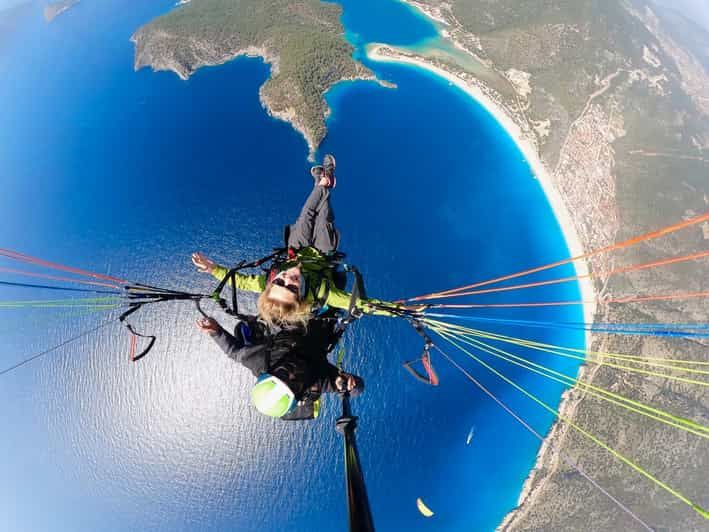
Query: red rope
133,344
613,247
56,278
432,376
609,273
40,262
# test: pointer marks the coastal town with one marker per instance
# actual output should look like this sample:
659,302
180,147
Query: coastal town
588,162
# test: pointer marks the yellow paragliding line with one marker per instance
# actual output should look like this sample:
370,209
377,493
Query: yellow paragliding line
651,361
701,511
684,424
599,358
425,510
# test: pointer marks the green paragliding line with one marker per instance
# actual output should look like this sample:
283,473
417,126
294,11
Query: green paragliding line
63,288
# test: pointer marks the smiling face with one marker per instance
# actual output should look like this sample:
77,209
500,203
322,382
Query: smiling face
285,287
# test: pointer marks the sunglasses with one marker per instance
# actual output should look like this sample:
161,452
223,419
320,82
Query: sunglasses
290,287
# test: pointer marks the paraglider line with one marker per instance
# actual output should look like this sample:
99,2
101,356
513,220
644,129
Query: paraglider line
51,349
595,391
635,299
63,288
651,361
53,265
59,278
610,273
627,243
532,431
629,329
679,496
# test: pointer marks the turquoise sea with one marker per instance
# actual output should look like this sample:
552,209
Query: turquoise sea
129,172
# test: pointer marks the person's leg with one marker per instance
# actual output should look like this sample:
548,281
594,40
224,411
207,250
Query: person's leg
325,236
302,231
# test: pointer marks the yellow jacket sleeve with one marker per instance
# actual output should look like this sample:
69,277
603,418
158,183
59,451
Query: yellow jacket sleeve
340,299
248,283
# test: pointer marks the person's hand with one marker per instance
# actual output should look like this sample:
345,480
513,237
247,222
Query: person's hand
203,263
345,382
208,325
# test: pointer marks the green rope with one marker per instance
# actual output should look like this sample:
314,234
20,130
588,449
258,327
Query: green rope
62,303
544,347
645,410
701,511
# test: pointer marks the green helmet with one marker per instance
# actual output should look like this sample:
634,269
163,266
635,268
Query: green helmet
272,397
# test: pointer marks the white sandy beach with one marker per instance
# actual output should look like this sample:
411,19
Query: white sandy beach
374,52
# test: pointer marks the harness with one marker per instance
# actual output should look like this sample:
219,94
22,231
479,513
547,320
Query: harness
330,270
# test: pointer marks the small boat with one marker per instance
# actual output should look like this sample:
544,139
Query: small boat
470,435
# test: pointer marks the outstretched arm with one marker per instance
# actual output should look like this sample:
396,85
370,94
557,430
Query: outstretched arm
248,283
340,299
253,357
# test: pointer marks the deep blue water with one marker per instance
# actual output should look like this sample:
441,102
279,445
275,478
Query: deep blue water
128,172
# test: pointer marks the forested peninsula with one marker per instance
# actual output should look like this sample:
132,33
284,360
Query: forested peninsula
302,40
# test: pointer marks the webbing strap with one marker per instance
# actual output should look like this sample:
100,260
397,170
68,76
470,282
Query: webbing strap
134,307
133,356
358,292
231,276
431,378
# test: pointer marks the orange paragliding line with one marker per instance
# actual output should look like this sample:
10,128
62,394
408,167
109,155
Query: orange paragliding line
663,297
620,245
57,278
53,265
624,269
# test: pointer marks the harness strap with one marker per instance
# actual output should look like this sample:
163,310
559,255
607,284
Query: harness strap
358,292
431,378
133,356
122,318
320,301
231,276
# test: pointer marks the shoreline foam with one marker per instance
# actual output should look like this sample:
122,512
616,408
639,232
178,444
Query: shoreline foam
549,448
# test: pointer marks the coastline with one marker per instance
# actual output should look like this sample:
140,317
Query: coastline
428,12
270,58
380,53
548,451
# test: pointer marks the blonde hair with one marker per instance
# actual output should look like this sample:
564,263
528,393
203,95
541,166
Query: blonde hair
275,312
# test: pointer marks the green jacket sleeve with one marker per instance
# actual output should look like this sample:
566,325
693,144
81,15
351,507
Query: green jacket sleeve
248,283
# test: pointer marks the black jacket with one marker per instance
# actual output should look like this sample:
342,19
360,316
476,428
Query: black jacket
299,353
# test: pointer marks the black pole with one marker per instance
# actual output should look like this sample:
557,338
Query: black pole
357,500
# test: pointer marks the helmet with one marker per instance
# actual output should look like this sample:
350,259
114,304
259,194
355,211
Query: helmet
272,397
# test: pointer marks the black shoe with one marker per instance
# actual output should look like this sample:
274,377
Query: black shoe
328,163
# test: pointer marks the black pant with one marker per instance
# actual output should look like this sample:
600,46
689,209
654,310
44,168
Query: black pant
315,225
